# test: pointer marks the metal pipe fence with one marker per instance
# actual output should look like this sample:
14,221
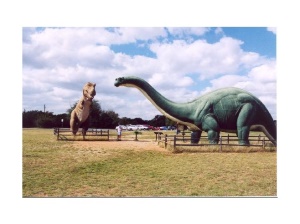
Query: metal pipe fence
228,140
66,134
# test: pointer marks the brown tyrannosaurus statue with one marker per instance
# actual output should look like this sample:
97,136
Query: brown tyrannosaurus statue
80,114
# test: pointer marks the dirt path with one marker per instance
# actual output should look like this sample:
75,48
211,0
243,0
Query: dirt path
140,145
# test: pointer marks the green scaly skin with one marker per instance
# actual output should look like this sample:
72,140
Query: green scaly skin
227,110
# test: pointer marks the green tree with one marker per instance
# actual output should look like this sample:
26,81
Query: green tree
45,120
65,123
36,118
158,121
114,116
105,121
124,121
29,118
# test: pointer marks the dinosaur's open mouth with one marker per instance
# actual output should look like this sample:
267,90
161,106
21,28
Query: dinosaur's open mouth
90,98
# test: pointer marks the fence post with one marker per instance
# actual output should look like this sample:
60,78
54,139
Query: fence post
228,139
57,133
107,134
174,142
166,139
263,142
220,143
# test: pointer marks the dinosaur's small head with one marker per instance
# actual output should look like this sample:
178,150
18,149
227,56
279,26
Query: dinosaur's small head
89,90
119,81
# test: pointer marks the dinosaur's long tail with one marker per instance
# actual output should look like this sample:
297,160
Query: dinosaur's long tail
269,132
265,123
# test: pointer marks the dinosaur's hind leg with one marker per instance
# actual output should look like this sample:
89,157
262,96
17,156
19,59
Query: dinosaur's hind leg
211,126
244,120
85,127
74,123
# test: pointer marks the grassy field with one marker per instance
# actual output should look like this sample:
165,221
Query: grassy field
141,168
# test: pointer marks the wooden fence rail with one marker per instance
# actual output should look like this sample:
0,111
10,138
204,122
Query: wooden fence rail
177,140
65,133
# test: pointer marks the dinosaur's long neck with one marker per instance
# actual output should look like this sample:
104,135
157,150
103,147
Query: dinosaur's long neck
179,112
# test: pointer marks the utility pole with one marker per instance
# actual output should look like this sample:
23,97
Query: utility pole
44,108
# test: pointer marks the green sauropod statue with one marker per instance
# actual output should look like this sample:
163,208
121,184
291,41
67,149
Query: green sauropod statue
227,110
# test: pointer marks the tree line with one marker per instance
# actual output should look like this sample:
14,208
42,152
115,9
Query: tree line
98,118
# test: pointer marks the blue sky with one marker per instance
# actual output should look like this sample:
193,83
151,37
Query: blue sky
255,39
182,63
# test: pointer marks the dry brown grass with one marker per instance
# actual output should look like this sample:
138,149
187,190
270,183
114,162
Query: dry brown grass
141,168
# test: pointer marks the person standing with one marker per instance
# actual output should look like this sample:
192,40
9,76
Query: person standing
119,130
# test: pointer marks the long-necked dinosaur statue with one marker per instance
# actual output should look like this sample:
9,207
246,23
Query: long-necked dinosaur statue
80,114
228,110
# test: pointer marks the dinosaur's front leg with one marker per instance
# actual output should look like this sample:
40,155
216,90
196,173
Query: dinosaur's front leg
213,136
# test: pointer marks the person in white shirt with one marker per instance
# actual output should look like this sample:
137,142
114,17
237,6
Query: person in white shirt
119,130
